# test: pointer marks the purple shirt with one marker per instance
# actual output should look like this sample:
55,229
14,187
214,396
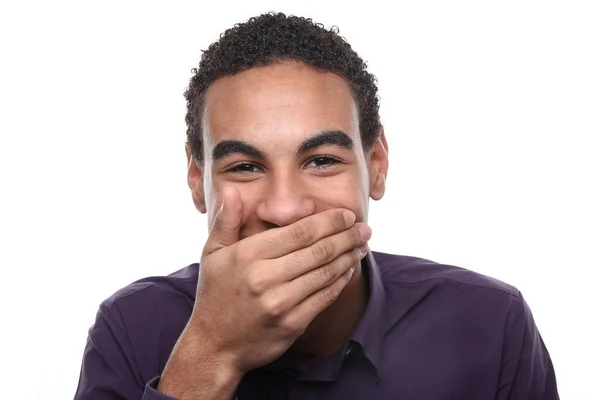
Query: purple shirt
430,331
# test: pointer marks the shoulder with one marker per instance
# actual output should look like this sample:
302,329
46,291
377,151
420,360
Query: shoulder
409,270
155,290
147,317
455,298
156,305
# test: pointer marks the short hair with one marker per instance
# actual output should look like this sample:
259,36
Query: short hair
270,38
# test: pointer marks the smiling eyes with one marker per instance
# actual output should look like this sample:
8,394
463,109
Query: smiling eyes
319,163
244,168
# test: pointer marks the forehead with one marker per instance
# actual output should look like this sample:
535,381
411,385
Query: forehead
278,104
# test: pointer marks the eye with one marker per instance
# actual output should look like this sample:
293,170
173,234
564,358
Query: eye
322,162
244,168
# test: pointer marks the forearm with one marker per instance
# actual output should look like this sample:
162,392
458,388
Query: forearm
195,372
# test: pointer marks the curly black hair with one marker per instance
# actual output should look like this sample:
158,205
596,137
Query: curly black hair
273,37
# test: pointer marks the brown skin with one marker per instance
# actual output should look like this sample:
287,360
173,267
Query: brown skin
277,270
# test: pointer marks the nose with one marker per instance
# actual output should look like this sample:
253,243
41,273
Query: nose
285,201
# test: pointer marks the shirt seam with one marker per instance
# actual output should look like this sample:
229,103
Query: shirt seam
111,301
516,294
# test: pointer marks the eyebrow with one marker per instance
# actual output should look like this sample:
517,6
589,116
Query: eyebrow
327,138
227,147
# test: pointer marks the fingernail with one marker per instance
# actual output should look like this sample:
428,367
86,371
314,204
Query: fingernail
363,249
349,217
222,208
351,271
365,232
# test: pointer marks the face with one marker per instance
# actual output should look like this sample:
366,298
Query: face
287,137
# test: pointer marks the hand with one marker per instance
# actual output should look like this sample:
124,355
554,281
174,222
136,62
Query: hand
256,296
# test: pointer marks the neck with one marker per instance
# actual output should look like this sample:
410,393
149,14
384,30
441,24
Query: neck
330,330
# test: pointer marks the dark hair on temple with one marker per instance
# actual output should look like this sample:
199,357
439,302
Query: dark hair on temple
275,37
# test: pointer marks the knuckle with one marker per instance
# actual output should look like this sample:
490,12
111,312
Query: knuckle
273,306
300,233
290,328
322,250
257,283
329,295
327,273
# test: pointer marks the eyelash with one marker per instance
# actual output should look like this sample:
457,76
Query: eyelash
238,168
330,160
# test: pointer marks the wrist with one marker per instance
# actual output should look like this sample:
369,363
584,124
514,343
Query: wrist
196,371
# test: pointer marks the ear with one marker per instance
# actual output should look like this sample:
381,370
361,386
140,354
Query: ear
378,167
195,181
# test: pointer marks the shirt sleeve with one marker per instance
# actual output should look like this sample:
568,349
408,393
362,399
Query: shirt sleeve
109,370
527,372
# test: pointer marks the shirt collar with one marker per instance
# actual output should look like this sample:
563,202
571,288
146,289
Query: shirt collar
369,332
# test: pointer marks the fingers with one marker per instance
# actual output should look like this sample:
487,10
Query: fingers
278,242
225,230
323,253
297,291
303,314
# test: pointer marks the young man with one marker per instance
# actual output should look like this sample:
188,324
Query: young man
285,149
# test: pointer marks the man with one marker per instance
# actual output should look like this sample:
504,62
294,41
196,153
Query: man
285,148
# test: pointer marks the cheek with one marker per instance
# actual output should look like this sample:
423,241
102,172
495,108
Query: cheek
347,193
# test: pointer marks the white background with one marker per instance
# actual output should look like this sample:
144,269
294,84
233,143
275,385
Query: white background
491,109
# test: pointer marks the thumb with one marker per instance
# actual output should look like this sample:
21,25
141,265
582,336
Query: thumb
225,229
